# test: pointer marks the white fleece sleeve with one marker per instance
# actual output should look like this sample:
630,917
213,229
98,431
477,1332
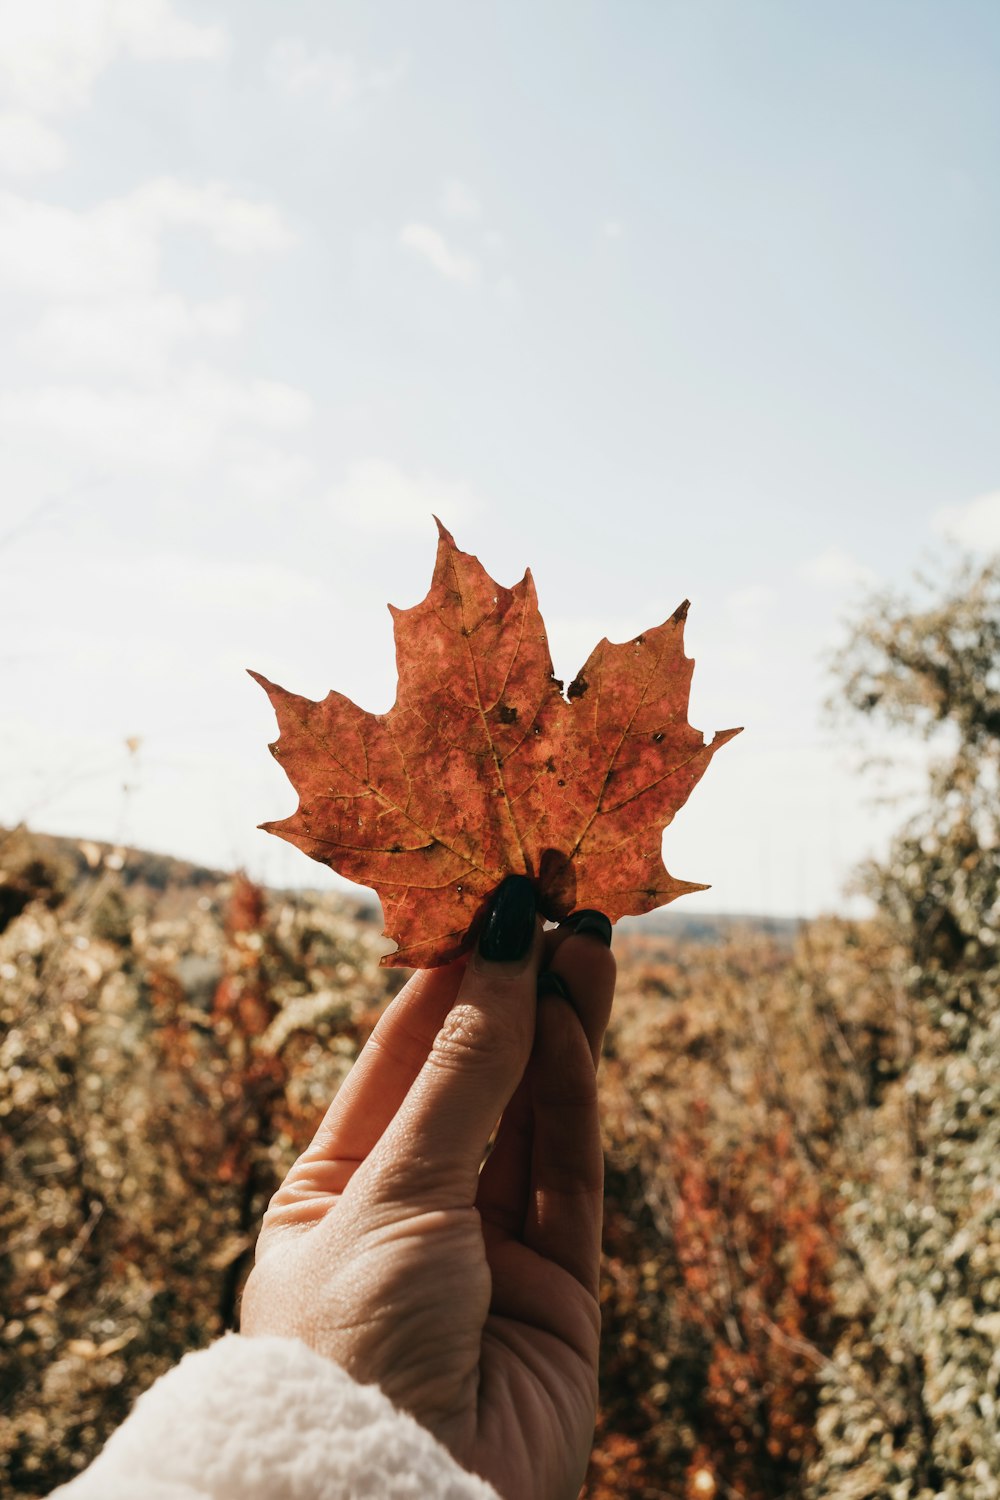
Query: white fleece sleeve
269,1419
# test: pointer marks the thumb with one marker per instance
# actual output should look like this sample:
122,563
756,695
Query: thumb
475,1062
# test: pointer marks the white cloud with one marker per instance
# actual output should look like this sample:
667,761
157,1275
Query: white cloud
114,248
265,473
836,569
507,291
379,496
126,335
54,50
177,425
231,585
337,76
29,147
105,313
613,229
459,201
109,593
749,607
976,524
435,249
241,225
56,252
152,29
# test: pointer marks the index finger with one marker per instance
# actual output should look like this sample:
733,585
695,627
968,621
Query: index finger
378,1082
438,1137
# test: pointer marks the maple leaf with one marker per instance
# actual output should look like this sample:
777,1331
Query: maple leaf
483,768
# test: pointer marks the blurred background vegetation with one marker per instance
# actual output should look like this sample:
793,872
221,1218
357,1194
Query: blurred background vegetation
801,1283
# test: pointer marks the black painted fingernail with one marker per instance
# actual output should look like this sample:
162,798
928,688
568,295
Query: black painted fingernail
509,929
589,923
551,984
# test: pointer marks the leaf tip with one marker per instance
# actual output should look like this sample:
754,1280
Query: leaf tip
269,687
444,535
722,737
680,614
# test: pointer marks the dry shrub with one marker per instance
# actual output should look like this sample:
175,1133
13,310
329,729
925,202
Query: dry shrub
722,1087
152,1093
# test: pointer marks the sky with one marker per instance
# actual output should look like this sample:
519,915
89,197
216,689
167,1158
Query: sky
665,301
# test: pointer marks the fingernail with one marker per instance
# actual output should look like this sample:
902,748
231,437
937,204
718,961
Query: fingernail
551,984
509,929
589,923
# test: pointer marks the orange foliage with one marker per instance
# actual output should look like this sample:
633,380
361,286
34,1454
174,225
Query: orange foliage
753,1238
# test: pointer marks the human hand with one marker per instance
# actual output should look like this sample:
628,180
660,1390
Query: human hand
469,1295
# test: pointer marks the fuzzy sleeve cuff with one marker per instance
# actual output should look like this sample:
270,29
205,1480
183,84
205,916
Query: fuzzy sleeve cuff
262,1418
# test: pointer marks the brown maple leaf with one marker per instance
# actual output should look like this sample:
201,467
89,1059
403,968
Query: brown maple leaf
483,768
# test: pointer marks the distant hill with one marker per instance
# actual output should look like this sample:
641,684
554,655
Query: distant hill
712,927
70,859
78,856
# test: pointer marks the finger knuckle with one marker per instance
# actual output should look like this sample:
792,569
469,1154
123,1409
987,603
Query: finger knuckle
473,1037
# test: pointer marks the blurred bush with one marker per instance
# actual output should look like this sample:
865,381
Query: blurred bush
915,1407
165,1047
